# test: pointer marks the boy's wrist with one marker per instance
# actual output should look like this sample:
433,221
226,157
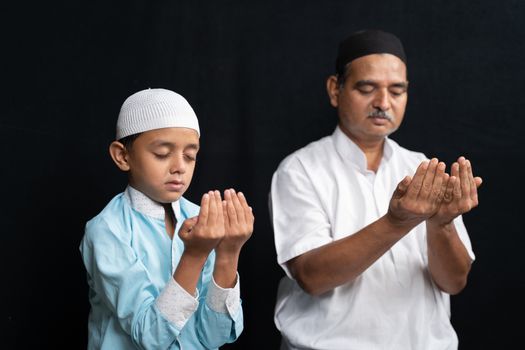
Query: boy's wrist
226,256
225,271
194,258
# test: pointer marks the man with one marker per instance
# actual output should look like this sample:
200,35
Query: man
370,234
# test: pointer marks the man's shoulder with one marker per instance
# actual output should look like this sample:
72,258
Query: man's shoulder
405,152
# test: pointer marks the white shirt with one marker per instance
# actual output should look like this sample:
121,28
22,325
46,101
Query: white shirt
324,192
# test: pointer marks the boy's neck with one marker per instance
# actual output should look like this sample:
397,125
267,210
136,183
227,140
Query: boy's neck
145,205
170,220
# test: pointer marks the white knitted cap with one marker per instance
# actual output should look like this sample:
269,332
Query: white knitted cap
155,109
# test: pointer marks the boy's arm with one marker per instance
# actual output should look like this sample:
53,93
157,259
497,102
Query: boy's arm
124,286
200,235
238,223
222,309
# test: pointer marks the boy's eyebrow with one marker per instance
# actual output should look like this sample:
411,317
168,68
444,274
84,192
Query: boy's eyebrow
162,143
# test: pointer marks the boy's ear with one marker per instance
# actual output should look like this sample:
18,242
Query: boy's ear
119,154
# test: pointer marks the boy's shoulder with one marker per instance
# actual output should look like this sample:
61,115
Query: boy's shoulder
115,221
110,218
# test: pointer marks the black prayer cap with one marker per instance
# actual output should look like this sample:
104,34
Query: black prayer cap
367,42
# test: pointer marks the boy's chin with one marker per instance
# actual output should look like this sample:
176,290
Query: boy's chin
170,197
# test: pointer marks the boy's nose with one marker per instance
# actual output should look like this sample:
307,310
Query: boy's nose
177,165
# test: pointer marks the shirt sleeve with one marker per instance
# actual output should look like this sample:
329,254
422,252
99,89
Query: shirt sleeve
464,237
123,284
219,318
299,222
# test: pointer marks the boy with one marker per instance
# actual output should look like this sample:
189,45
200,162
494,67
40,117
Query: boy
162,274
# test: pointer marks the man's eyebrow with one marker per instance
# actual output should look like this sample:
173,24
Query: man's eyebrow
365,82
401,84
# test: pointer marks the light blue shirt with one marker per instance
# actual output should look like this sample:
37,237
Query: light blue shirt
135,302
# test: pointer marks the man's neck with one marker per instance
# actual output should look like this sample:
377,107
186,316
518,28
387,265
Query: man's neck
373,150
373,157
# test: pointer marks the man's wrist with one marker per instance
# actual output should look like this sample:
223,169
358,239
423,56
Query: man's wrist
435,222
398,226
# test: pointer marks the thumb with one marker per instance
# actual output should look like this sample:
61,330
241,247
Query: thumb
187,226
478,181
402,187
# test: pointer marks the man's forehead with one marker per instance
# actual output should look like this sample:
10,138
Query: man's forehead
377,66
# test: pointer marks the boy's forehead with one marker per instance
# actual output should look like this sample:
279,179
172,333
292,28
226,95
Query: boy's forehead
176,136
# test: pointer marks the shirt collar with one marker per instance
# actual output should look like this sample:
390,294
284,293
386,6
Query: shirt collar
350,152
145,205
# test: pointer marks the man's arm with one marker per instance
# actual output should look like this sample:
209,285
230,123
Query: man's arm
322,269
448,259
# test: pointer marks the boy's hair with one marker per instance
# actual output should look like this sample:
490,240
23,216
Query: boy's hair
128,140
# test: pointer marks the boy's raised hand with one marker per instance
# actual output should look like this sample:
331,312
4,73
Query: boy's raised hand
238,223
202,233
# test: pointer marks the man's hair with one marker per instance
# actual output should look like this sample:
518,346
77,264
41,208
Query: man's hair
341,76
362,43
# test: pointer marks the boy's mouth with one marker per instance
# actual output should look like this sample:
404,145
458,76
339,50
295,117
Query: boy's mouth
174,185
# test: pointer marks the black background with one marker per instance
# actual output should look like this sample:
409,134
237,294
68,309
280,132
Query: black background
255,74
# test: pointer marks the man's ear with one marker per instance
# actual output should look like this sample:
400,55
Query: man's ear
332,88
119,154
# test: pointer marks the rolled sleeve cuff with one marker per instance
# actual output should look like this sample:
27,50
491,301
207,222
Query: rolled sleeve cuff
176,304
224,300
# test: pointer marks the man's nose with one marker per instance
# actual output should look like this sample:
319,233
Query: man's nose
382,100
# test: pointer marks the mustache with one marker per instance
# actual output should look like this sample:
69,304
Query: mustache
381,114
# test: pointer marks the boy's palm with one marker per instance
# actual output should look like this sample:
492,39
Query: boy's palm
202,233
